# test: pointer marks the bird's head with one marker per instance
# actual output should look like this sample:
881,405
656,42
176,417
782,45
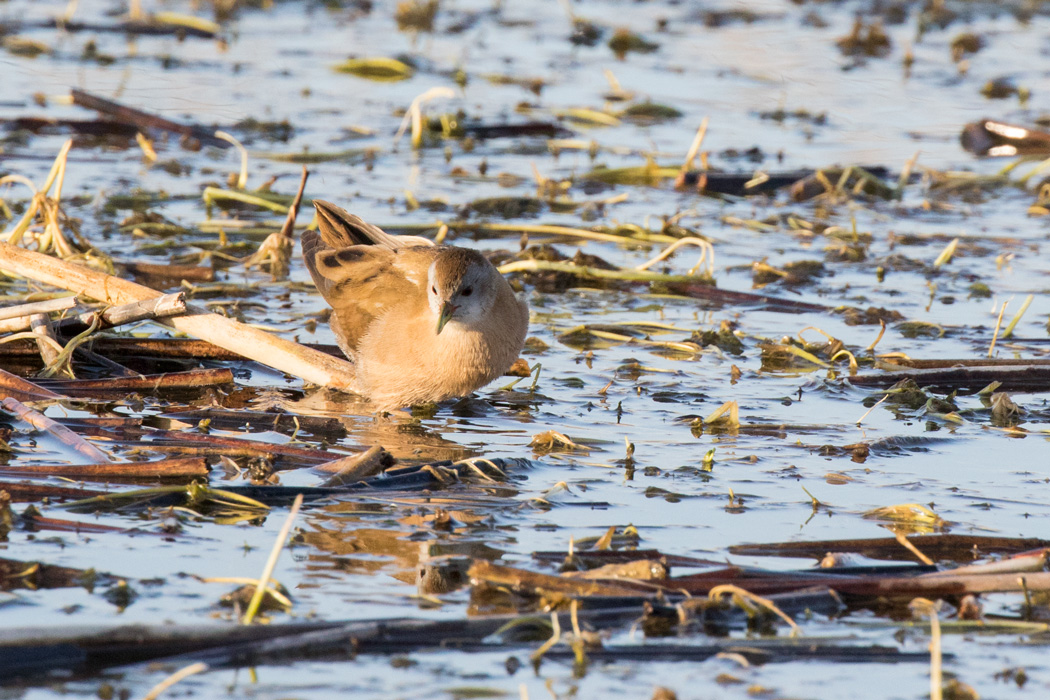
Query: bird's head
460,287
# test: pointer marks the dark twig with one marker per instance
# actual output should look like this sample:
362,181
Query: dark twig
145,120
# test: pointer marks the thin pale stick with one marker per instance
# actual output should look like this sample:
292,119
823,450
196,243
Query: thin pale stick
271,563
38,307
41,422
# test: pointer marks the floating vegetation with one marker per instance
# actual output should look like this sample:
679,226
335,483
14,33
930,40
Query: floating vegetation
649,113
648,174
624,41
866,40
380,68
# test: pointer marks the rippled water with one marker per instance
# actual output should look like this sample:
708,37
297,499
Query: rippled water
357,559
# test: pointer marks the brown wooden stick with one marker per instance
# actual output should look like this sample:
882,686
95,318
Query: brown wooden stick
171,467
275,352
22,491
190,273
144,120
41,422
149,382
23,389
162,348
256,447
166,348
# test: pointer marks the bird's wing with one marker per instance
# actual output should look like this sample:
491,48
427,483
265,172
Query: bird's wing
339,229
362,282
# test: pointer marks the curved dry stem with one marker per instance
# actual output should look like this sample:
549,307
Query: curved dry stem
64,361
704,246
849,355
694,147
554,639
184,672
882,332
242,177
20,179
748,601
414,115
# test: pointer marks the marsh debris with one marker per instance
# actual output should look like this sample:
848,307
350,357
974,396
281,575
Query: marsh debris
870,40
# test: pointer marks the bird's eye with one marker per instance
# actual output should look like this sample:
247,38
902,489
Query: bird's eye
433,290
468,291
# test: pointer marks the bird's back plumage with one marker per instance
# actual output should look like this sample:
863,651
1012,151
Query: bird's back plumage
377,285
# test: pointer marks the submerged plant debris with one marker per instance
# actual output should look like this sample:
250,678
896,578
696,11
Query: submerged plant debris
787,293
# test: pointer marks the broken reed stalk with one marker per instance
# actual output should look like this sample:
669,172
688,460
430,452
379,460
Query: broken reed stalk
181,273
288,230
41,422
38,307
348,470
276,250
150,382
283,355
181,467
192,443
154,308
271,563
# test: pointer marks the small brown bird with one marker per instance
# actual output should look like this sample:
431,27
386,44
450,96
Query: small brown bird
421,322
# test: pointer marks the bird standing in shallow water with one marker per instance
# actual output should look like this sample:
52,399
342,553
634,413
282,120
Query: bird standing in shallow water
421,322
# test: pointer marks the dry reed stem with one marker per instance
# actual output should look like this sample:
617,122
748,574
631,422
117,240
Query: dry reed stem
38,307
694,148
242,175
184,672
744,599
1008,333
912,548
547,645
41,422
998,325
283,355
172,467
271,563
277,248
705,248
927,608
414,115
46,340
28,391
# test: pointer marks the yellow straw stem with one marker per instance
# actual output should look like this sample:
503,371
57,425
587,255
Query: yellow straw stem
271,563
1017,317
